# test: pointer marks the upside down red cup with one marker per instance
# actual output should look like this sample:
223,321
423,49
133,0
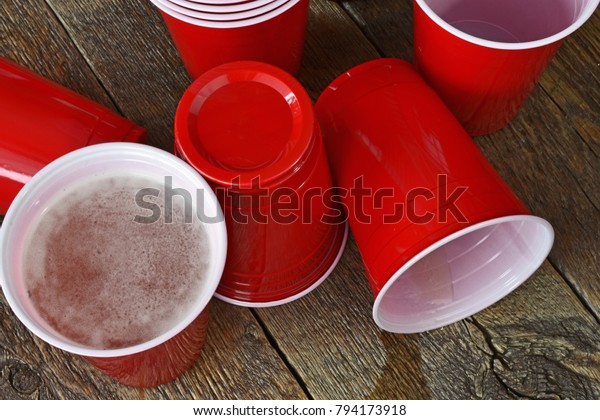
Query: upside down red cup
275,37
249,129
175,327
441,235
483,57
41,120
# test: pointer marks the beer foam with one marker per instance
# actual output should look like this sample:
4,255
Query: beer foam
105,281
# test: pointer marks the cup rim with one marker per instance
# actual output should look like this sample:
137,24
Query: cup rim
475,306
96,153
224,16
227,24
269,75
583,17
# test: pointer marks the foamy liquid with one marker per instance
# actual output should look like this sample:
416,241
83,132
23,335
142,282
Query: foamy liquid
104,281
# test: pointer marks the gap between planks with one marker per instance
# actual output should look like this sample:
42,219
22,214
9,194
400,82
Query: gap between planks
61,22
273,342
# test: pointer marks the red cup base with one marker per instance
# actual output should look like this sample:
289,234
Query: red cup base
335,254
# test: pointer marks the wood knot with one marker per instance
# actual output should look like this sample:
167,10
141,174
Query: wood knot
23,379
251,331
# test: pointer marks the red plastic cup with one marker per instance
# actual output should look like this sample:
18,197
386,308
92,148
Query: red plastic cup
483,57
41,120
441,235
164,357
276,38
249,129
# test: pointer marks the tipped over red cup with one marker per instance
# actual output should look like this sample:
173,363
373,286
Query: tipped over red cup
41,121
440,233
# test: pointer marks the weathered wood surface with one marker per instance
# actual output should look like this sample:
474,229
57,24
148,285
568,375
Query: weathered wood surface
540,342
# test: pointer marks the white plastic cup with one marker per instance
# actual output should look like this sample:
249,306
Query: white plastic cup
177,348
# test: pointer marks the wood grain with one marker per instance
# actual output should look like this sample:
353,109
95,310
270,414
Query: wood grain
573,81
31,36
550,350
128,48
514,349
237,362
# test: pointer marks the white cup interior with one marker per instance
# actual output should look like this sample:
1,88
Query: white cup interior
463,274
517,22
71,169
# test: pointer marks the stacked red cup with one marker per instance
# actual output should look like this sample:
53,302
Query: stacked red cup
209,33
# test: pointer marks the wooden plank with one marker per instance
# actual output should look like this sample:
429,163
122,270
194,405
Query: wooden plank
573,83
386,24
552,145
515,349
329,336
329,48
547,350
128,48
238,362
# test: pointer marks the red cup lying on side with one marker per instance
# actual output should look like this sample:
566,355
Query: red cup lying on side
483,57
441,235
275,37
249,128
87,269
41,120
